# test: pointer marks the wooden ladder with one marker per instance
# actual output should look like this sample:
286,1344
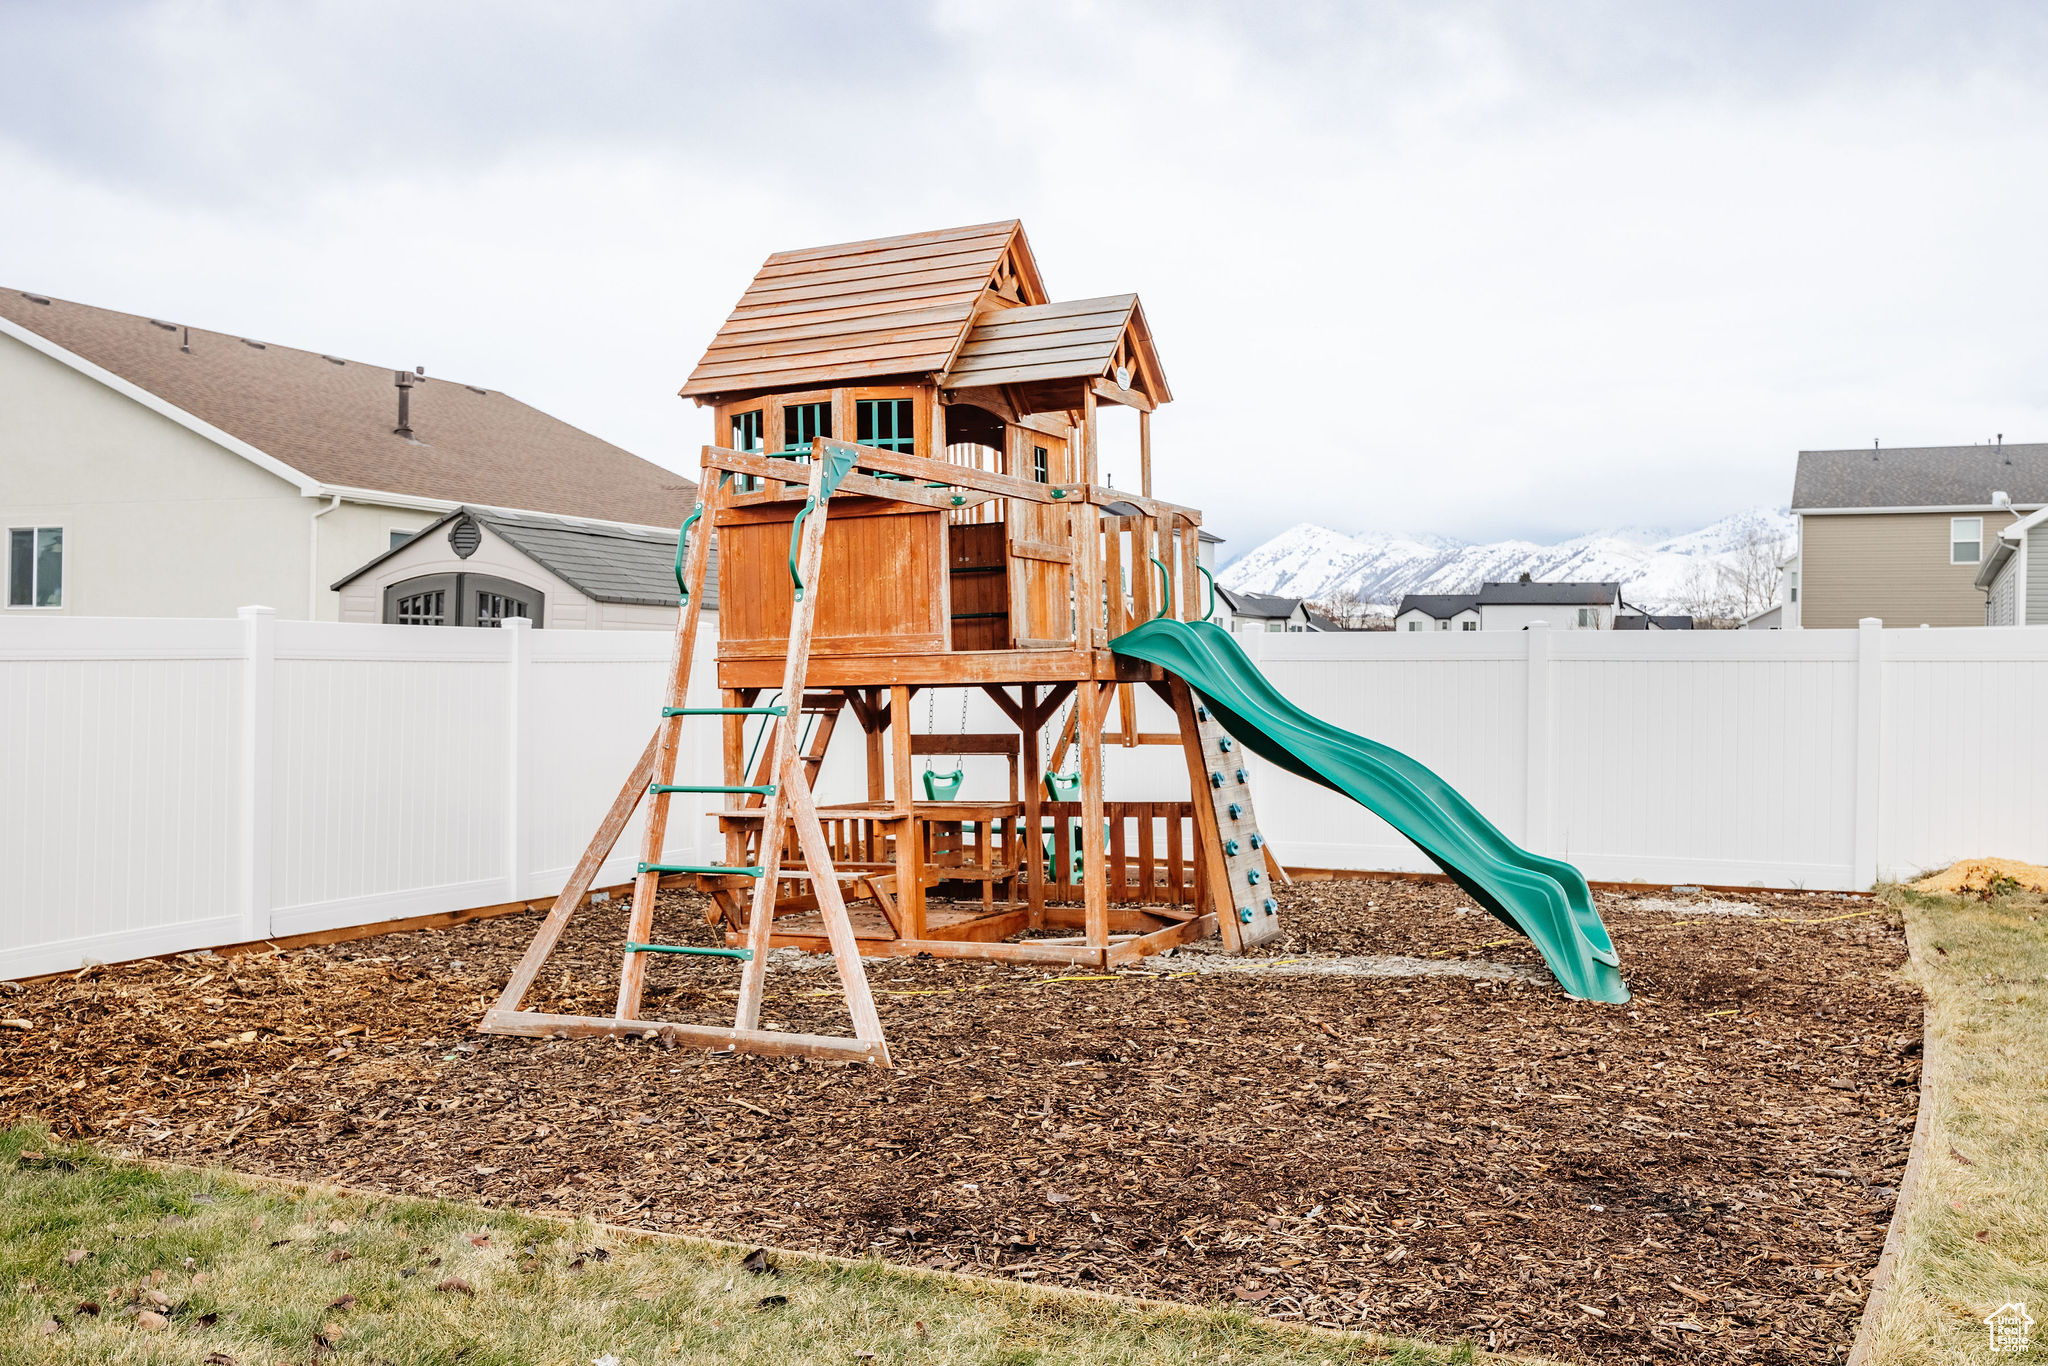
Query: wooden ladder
784,781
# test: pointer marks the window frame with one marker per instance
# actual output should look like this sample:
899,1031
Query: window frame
1954,540
35,534
1589,619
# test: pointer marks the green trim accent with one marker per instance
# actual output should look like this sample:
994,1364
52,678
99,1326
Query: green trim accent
744,955
1204,572
724,711
711,868
766,791
683,540
1058,494
1165,589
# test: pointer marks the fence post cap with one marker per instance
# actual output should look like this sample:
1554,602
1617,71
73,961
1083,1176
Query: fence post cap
245,613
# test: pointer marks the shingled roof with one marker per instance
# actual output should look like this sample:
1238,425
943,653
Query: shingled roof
1085,339
865,310
1920,477
608,564
331,419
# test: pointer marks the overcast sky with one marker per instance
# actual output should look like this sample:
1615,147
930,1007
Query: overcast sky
1480,270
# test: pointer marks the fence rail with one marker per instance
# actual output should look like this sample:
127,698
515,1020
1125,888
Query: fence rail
175,784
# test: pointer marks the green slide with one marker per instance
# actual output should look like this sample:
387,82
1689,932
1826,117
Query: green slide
1545,899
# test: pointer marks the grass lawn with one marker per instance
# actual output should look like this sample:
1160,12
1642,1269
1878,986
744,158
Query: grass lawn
1976,1236
106,1261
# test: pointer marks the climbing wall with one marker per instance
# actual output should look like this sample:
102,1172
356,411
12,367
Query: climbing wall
1250,912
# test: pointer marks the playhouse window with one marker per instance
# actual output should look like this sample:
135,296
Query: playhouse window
35,566
746,436
803,423
889,423
1041,464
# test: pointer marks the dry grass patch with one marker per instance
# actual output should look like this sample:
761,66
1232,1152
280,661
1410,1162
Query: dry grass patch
1976,1235
105,1261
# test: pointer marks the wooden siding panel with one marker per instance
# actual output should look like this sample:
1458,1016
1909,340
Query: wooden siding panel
1891,565
901,549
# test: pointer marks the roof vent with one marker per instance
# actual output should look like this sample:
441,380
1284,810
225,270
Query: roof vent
168,327
474,390
464,537
33,298
404,383
333,360
258,345
185,342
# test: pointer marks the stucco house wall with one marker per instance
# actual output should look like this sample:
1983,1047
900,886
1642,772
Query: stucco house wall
159,520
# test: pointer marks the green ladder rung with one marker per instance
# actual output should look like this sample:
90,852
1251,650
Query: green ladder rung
744,955
766,790
724,711
708,868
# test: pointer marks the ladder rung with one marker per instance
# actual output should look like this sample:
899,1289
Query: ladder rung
766,790
705,868
724,711
743,955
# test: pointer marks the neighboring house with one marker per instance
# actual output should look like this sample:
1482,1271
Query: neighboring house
1513,606
475,567
1237,611
1901,534
1784,613
151,469
2014,577
1438,612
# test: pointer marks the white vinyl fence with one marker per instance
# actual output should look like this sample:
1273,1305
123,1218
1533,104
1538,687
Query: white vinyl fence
176,784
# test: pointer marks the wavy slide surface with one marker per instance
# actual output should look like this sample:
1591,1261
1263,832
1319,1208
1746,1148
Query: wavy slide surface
1545,899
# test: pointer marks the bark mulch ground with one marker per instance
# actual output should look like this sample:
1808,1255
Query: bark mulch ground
1704,1174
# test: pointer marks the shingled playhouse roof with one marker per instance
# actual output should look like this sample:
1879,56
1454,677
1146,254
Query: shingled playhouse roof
864,310
332,419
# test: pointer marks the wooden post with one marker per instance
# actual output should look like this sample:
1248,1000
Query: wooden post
909,834
1145,452
1032,841
1192,606
1094,875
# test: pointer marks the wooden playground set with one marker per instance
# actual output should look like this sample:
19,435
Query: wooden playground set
905,494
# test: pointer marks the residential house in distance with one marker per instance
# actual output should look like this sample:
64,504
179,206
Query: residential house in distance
1782,615
1240,611
1513,606
2014,577
155,469
1902,534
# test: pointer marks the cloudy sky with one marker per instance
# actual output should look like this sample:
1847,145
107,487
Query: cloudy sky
1466,268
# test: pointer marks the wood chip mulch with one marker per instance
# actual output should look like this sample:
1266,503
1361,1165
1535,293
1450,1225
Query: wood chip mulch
1702,1175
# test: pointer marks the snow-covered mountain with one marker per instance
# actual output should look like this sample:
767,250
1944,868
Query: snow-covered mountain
1656,569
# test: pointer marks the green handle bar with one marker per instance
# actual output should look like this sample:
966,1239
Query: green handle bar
1165,589
796,536
682,541
1199,569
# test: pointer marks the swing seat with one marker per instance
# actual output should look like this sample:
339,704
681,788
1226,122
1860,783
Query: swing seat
943,787
1062,787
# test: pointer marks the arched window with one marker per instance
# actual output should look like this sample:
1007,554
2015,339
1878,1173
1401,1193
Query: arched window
461,600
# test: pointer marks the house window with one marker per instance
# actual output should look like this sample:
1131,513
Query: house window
1468,626
1792,584
1589,618
803,423
1965,540
1415,626
1041,464
1443,626
423,609
35,566
889,423
1276,626
399,538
